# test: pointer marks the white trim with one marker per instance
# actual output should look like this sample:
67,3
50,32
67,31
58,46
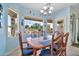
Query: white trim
17,20
12,10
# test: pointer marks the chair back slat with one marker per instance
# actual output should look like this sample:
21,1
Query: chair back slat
65,39
64,43
61,41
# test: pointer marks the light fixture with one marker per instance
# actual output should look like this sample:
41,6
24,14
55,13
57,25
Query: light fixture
47,9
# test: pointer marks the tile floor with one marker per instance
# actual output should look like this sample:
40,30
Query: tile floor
71,51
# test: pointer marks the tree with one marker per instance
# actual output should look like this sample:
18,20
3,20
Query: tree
26,26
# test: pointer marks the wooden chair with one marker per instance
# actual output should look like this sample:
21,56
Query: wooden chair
64,43
25,51
56,49
57,45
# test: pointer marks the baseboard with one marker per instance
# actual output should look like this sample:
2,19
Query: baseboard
76,45
10,52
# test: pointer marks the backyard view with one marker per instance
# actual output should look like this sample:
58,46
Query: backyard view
35,28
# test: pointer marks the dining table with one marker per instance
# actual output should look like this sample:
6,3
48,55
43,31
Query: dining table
39,43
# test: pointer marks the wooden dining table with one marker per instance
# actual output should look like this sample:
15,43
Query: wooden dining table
39,43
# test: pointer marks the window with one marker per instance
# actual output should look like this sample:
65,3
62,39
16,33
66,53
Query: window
12,23
33,28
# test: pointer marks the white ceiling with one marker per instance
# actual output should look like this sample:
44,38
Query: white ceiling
39,6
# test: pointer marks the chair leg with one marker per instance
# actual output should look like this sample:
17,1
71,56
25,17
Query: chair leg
34,52
65,52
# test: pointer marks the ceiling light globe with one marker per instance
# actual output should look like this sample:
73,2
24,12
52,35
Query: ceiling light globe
50,12
41,11
45,7
51,8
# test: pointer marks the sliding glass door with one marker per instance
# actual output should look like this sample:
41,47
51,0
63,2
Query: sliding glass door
73,28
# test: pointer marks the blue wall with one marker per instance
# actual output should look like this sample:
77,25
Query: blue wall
8,43
12,43
61,13
3,33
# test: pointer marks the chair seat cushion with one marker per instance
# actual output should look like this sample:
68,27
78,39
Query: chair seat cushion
27,52
29,47
55,46
45,52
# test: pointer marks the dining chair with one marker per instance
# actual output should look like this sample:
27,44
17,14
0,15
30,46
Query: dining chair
25,51
64,43
56,47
